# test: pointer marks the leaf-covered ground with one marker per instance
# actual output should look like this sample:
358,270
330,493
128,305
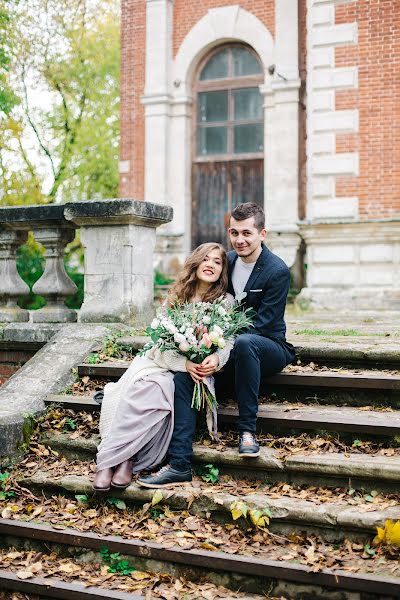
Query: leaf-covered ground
158,523
28,564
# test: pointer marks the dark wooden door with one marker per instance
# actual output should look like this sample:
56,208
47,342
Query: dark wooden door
217,187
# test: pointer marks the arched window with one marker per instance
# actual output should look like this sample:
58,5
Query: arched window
229,115
228,165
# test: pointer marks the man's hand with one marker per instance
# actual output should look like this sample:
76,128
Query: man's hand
209,365
194,372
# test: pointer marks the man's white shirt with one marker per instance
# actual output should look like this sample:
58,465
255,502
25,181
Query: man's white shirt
240,275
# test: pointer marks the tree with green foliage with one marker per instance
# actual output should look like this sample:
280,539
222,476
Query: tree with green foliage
61,142
7,97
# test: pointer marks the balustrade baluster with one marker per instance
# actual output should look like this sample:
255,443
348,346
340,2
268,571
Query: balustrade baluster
11,284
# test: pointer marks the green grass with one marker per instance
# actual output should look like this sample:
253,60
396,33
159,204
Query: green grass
337,332
349,332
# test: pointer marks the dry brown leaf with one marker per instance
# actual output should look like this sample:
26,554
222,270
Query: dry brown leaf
24,574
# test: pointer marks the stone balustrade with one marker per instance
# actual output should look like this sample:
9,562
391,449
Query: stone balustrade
118,237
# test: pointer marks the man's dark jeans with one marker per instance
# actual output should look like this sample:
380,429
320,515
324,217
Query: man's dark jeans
251,356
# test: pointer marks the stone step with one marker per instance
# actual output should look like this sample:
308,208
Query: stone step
371,472
379,350
333,520
291,416
372,380
235,570
56,588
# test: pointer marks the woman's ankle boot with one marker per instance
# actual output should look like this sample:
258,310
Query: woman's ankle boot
123,474
102,480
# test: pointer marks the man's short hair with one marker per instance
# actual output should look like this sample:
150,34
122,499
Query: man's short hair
247,210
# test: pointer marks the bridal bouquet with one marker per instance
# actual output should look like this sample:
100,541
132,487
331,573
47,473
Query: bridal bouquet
196,331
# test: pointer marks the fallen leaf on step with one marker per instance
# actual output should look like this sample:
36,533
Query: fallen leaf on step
140,575
24,574
69,568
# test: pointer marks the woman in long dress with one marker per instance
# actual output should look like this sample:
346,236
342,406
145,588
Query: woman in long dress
136,420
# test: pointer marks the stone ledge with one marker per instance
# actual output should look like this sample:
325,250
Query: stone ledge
32,217
29,333
118,211
50,369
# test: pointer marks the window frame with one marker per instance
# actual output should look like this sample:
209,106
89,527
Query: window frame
229,84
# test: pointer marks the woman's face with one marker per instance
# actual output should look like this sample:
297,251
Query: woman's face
210,269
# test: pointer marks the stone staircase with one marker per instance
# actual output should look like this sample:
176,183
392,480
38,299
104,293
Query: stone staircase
328,475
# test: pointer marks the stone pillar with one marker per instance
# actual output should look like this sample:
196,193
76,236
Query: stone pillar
119,238
55,285
157,97
11,284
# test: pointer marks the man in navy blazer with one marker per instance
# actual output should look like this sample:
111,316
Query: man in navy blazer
262,279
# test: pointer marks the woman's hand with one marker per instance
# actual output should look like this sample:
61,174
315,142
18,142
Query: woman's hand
193,370
209,365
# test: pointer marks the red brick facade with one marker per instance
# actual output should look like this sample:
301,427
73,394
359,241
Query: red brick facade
377,98
11,361
186,14
377,56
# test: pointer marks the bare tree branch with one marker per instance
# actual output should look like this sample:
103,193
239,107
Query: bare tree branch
32,124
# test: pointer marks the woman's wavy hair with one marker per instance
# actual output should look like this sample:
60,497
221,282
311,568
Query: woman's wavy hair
184,288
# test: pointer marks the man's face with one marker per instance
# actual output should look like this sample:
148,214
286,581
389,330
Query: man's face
245,237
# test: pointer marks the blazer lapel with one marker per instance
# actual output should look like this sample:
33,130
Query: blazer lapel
258,268
231,264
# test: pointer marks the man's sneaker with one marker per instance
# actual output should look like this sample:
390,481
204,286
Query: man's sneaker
164,478
248,446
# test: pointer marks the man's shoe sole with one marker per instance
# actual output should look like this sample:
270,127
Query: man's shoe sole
249,454
161,485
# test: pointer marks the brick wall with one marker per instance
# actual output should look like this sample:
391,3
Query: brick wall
377,56
133,39
11,361
188,12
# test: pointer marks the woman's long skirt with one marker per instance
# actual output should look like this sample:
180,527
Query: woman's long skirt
143,424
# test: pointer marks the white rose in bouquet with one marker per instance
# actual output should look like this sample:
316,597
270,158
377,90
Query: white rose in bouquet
155,323
179,338
214,337
218,330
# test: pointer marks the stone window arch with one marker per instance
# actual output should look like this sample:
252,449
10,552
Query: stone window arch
228,120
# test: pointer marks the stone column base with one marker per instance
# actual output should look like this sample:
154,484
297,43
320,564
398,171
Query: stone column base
13,314
119,238
54,314
289,247
352,266
330,298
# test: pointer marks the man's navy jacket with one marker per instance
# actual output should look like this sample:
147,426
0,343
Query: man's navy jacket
266,292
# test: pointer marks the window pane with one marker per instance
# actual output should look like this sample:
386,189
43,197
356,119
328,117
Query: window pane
217,66
212,140
245,63
213,106
248,104
248,138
